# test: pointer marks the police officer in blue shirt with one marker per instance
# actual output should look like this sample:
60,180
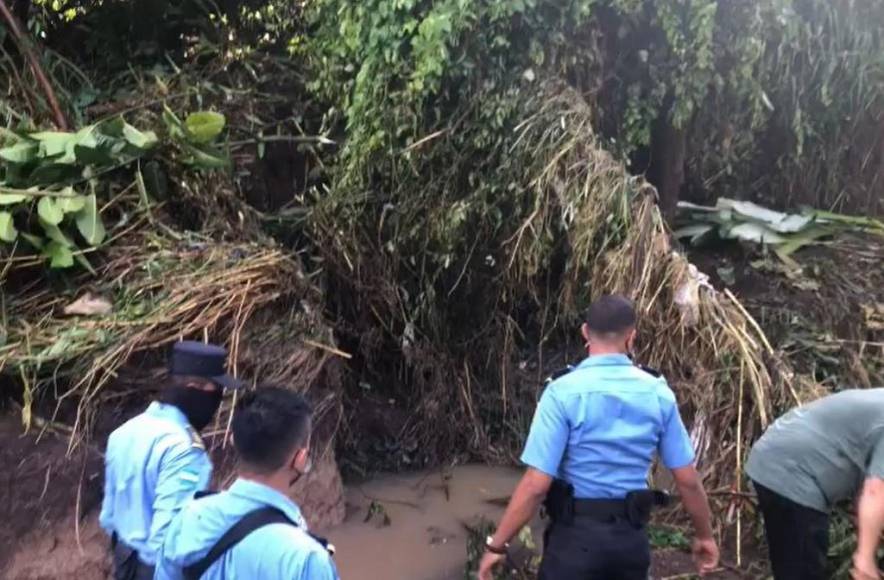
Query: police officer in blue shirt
156,461
595,433
253,530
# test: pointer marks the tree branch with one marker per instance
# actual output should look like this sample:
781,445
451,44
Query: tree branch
27,51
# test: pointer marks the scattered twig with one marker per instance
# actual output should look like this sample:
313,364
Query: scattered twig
327,348
35,192
77,506
282,139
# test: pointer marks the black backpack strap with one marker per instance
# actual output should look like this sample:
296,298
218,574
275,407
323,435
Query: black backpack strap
651,371
248,524
329,547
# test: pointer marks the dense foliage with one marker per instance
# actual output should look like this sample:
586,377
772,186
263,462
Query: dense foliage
459,175
746,89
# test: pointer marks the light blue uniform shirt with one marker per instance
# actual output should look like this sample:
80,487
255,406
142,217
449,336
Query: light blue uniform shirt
154,464
274,551
599,427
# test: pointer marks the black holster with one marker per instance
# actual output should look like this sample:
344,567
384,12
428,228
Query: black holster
559,502
640,504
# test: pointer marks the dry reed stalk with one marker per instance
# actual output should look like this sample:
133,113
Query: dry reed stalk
713,353
164,290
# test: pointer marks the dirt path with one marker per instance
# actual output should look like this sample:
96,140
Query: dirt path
40,493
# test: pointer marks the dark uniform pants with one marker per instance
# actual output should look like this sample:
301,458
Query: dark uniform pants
592,550
127,566
797,537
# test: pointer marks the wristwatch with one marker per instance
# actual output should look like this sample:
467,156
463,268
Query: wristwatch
490,547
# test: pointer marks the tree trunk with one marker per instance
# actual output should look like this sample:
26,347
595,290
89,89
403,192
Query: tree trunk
668,149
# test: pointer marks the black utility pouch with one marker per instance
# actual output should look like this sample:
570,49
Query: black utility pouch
559,502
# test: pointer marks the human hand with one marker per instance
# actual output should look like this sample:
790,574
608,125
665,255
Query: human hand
705,552
864,568
487,564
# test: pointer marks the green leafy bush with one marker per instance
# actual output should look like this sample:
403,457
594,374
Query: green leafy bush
48,183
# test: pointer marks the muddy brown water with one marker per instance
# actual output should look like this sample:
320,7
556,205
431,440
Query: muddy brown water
416,529
415,532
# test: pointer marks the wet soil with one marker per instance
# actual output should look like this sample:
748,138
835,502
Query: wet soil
47,503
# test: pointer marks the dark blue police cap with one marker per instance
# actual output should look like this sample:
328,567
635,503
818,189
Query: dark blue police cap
199,359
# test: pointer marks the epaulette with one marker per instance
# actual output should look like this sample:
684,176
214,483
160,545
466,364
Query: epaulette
195,440
557,374
651,371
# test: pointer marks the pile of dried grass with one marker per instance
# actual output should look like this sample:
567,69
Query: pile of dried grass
729,380
162,289
488,243
726,374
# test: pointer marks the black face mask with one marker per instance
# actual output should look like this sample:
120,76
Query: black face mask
197,405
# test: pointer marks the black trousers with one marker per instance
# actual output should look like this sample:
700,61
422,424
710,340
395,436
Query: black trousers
127,566
797,537
594,550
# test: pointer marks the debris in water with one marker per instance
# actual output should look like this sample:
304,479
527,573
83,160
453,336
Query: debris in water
377,512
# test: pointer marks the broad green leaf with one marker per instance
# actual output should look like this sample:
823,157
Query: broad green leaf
35,241
204,126
90,147
754,232
173,123
54,143
86,137
113,127
55,234
81,259
155,180
775,220
49,211
87,155
48,174
72,203
804,238
89,222
11,198
24,152
207,159
8,233
694,231
686,205
7,137
59,255
141,140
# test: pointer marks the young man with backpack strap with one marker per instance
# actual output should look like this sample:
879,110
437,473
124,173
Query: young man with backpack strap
253,529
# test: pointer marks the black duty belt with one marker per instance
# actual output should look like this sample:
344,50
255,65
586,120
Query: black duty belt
635,508
601,509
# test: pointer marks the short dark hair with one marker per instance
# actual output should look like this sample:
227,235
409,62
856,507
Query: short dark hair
268,424
611,315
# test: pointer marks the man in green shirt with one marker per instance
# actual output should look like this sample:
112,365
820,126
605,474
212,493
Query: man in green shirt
811,458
